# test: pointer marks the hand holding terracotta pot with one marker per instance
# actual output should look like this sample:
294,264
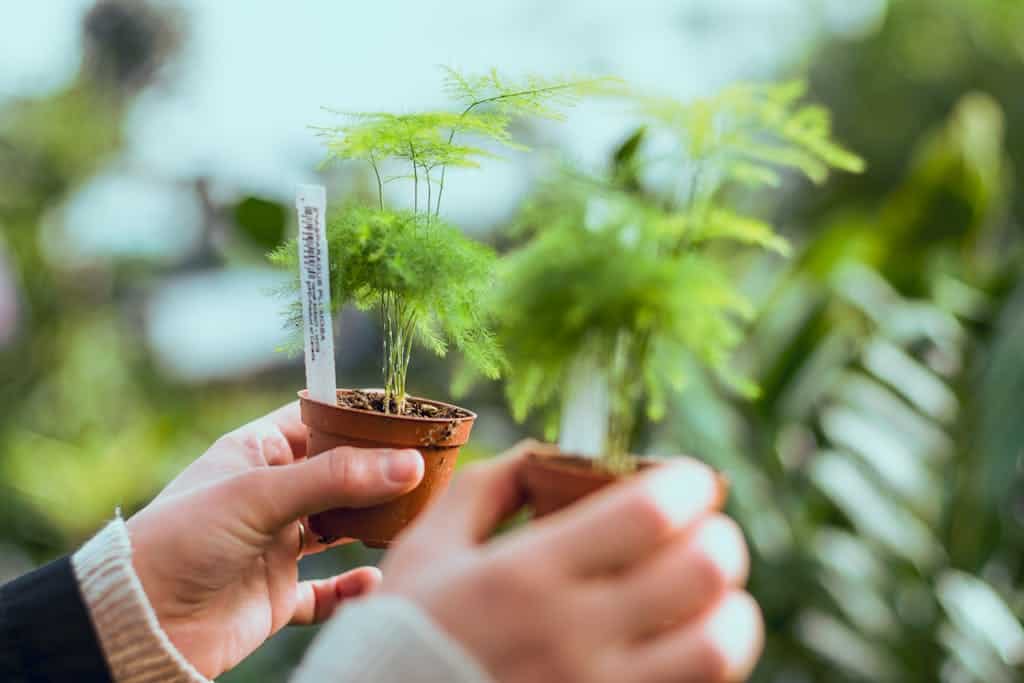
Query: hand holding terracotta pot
437,439
639,581
217,551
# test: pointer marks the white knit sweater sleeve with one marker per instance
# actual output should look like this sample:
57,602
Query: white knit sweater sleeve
381,639
386,639
136,648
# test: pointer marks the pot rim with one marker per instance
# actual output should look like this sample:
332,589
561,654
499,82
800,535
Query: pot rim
559,462
304,395
572,462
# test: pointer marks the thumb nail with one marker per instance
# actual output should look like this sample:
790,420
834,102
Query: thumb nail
402,467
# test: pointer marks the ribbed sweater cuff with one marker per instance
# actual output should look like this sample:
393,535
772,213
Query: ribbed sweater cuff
386,639
136,648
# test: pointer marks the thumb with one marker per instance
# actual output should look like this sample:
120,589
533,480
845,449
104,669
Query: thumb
483,495
341,477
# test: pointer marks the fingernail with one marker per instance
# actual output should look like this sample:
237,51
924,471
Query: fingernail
403,467
684,491
720,540
736,631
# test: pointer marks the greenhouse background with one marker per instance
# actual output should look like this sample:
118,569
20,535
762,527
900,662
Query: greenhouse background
148,158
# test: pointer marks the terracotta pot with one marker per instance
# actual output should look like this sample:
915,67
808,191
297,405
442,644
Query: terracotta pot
556,480
437,439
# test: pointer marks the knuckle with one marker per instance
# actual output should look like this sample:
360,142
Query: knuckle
514,580
470,477
648,517
232,441
710,661
254,482
255,447
526,446
709,574
256,487
347,468
276,448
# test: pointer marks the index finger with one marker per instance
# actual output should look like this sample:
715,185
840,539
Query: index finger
288,420
617,525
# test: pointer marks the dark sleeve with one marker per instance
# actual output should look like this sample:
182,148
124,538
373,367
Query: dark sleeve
45,630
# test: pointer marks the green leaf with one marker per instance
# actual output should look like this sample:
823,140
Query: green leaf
725,224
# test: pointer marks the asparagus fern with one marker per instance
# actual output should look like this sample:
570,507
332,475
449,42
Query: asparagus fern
633,275
423,276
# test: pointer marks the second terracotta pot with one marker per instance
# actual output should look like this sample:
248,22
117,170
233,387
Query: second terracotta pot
556,480
437,439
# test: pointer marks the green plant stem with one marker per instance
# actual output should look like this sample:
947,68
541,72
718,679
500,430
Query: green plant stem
380,183
399,321
488,100
385,314
624,390
426,172
415,181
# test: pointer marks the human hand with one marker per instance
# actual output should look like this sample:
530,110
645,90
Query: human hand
217,551
638,582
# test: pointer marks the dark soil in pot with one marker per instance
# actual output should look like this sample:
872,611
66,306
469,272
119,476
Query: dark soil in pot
556,480
437,430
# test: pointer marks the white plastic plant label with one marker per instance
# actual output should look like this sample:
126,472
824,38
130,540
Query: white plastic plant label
584,423
314,274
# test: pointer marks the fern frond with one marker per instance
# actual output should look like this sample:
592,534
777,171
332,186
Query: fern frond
725,224
423,138
531,96
608,261
748,129
440,275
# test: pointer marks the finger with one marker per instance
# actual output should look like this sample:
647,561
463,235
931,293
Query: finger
684,578
288,420
278,438
308,543
316,601
312,544
632,518
482,496
341,477
724,646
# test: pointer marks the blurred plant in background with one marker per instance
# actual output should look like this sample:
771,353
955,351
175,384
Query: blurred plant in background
623,286
878,474
50,364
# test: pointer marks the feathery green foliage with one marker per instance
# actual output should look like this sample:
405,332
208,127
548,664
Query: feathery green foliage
423,275
426,142
634,276
747,132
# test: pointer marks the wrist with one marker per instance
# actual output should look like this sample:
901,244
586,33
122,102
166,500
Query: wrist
134,644
388,638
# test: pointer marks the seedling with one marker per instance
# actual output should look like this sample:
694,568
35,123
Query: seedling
425,279
420,273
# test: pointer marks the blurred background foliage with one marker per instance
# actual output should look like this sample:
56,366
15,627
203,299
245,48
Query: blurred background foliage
879,473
